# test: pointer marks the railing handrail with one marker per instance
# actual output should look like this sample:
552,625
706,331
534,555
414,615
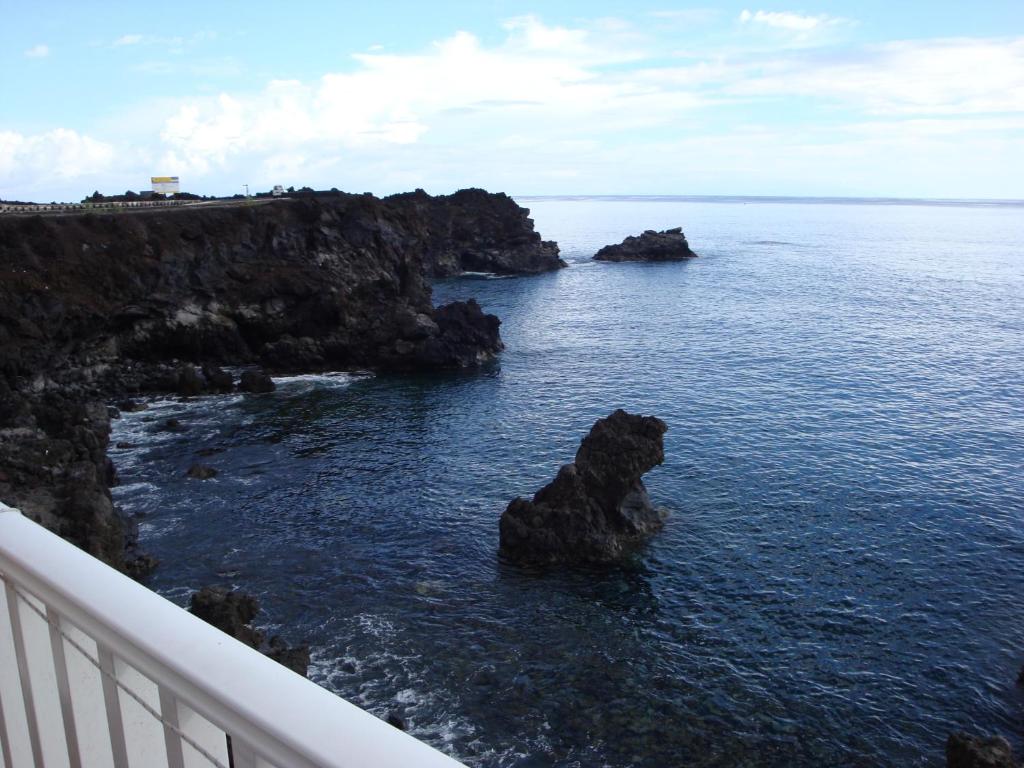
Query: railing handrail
287,719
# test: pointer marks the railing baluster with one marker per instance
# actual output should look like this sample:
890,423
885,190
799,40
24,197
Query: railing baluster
240,753
23,674
115,724
169,713
5,747
60,667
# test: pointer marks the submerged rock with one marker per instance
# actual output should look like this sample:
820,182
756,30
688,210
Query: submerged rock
964,751
201,472
232,612
669,245
217,379
597,508
188,382
256,381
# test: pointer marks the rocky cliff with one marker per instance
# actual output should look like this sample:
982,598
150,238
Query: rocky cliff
329,282
93,306
475,231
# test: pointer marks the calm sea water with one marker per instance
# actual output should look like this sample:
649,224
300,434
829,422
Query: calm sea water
840,580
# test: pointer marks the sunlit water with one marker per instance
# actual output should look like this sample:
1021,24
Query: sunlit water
841,580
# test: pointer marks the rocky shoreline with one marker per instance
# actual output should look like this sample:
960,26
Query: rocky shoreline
97,307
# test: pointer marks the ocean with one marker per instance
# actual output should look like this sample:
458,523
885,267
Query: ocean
839,580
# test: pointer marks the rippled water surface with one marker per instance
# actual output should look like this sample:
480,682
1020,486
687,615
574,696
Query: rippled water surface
841,578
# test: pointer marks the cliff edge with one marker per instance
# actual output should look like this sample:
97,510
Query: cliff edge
476,231
93,306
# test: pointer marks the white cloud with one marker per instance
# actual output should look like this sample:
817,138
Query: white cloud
541,71
60,154
793,22
690,16
173,43
955,76
592,107
38,51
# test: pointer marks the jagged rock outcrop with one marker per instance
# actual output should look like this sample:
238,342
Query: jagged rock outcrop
964,751
597,508
258,382
232,612
54,468
99,306
669,245
322,282
476,231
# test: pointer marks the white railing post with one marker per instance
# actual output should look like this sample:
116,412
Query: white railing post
60,668
14,613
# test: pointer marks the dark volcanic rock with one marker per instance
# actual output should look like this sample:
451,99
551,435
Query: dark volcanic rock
669,245
596,509
296,657
229,611
963,751
189,383
396,720
300,284
140,565
217,379
54,468
201,472
465,337
232,611
476,231
256,381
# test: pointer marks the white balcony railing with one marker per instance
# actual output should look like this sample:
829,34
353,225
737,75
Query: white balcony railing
97,670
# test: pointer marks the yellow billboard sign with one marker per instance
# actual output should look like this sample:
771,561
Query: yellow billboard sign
165,185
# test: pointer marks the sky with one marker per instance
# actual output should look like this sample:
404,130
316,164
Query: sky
866,98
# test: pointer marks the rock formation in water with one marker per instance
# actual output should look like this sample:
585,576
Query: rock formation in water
963,751
476,231
99,306
597,508
258,382
669,245
232,612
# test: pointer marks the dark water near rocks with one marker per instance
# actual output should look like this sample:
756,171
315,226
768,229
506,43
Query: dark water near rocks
841,581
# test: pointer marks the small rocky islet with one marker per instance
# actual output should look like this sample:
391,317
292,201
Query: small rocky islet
597,509
650,245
